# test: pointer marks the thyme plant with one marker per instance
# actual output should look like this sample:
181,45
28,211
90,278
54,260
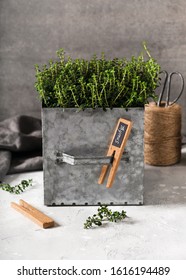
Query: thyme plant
104,214
97,82
17,189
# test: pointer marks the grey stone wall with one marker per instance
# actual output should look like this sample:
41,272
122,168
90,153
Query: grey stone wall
31,31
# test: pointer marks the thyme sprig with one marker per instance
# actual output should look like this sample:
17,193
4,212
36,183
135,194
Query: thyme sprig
17,189
104,214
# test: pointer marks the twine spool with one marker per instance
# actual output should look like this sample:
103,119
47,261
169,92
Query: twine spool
162,134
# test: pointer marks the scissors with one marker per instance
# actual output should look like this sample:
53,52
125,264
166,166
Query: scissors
167,81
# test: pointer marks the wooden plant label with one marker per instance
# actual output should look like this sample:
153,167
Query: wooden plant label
116,150
34,214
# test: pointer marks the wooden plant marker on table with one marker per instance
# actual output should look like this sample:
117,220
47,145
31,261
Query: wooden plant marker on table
115,150
35,215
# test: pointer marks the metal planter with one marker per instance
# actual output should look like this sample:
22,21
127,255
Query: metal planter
74,148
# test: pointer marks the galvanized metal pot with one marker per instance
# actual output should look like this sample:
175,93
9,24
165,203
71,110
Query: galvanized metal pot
74,147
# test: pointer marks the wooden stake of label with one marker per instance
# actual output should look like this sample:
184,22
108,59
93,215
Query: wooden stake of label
116,149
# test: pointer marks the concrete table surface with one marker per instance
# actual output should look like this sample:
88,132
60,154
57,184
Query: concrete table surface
156,230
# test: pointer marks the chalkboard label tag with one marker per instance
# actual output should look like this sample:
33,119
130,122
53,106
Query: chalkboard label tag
120,133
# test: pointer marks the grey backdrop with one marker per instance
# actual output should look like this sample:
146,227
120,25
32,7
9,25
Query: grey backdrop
31,31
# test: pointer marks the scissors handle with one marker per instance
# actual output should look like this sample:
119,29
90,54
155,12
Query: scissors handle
163,89
169,86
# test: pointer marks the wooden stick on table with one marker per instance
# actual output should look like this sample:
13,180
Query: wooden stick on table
32,213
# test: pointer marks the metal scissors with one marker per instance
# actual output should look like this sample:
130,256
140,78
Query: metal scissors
167,82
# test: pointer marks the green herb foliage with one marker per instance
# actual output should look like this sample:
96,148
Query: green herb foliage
104,214
97,82
17,189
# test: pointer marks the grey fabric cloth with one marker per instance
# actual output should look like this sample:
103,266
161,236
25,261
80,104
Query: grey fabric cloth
20,145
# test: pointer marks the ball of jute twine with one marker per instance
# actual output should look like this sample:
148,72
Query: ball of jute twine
162,134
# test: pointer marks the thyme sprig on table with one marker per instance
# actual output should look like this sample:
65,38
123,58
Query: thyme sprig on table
17,189
104,214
